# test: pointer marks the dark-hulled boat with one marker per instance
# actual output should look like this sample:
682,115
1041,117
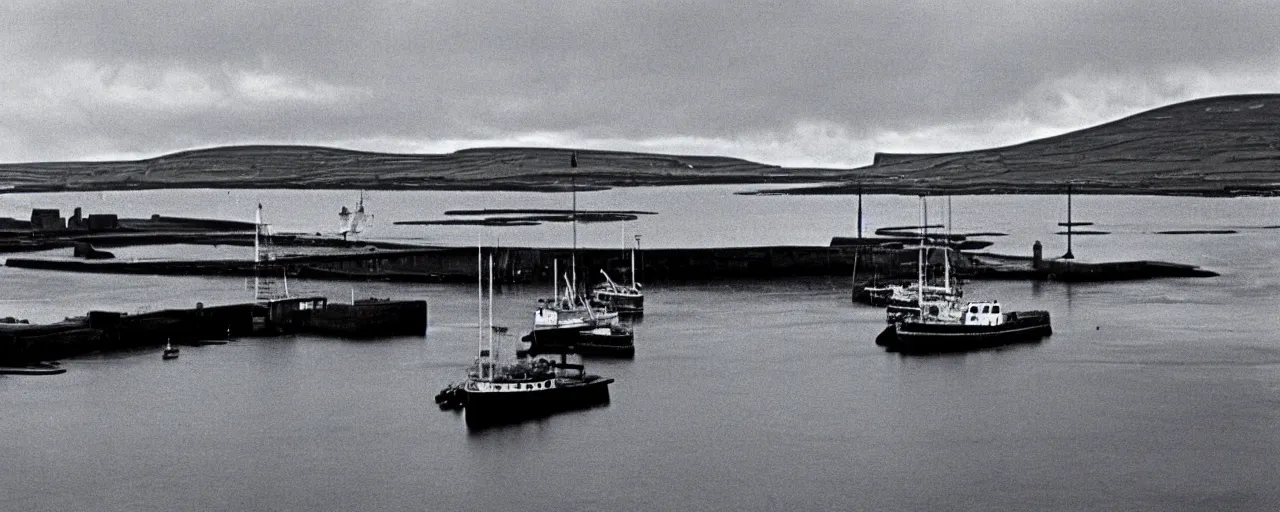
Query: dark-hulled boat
170,351
626,299
977,325
496,393
944,325
612,340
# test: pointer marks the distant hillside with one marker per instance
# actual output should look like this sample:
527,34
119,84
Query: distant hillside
320,167
1226,145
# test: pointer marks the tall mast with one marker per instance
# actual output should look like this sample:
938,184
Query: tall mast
492,355
924,221
555,280
573,185
257,251
946,252
479,297
633,267
924,237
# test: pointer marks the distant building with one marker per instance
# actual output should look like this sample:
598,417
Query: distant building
102,221
47,219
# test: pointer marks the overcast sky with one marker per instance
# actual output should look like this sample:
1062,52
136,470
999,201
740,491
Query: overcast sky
788,83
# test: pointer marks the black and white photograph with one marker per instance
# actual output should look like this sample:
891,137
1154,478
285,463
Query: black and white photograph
626,255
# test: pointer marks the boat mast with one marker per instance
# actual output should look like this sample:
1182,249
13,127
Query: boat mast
479,299
924,238
493,357
573,186
924,223
946,252
257,250
555,281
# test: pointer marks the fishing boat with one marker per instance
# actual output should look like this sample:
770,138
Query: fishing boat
170,351
621,298
496,393
952,326
904,300
975,325
612,340
564,315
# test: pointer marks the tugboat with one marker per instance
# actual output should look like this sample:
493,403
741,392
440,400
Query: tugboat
494,393
170,351
977,325
946,326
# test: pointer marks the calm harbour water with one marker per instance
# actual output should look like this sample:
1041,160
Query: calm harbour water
744,395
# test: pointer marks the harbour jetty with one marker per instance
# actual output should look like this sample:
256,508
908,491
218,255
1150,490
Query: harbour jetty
23,344
526,265
1000,266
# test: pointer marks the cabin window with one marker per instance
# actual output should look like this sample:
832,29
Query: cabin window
528,386
973,309
986,309
995,308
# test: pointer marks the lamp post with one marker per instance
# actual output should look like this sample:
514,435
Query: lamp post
633,271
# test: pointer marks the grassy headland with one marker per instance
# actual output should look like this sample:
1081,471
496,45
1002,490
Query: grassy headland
1223,146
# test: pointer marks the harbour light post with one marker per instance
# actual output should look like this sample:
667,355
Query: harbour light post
633,271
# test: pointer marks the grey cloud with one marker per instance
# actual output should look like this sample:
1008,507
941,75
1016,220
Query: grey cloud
403,70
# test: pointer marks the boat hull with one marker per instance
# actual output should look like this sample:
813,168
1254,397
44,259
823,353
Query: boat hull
581,342
621,302
483,409
916,337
